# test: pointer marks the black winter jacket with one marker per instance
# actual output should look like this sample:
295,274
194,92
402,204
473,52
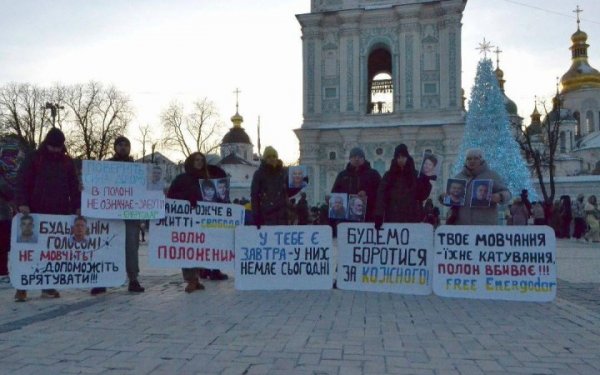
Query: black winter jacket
401,193
352,180
48,183
269,194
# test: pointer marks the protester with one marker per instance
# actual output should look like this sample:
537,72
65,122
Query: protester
476,168
186,186
122,149
401,192
270,191
592,217
578,217
47,183
519,212
359,178
302,212
6,213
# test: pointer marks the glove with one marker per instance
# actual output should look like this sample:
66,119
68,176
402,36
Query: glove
432,178
378,222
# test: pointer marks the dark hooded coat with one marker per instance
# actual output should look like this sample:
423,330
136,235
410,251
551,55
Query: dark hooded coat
269,194
47,182
186,186
401,194
364,178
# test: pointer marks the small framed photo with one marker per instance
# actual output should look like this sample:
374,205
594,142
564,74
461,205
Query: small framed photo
431,165
357,207
338,203
455,192
297,177
481,193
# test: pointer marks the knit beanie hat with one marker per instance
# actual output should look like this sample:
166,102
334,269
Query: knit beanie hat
357,152
270,151
401,149
121,139
55,138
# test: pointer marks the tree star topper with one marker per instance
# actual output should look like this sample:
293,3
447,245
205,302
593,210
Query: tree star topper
484,47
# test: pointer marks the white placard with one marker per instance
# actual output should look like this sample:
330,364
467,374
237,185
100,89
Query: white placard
398,258
283,257
47,252
195,237
516,263
118,190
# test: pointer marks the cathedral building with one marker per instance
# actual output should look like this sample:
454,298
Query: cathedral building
377,73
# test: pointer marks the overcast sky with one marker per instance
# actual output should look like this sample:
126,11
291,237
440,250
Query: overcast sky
157,51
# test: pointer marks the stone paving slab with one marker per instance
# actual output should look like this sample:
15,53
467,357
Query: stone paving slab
224,331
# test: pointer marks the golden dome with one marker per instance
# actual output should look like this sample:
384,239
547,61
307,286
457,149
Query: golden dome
580,75
237,120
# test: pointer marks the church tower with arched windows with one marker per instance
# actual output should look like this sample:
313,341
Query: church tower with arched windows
377,73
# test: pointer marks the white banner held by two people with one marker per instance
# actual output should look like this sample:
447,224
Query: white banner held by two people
516,263
284,257
395,259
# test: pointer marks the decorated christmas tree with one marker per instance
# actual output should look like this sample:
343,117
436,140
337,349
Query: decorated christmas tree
488,128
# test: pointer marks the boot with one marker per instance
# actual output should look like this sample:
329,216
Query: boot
203,273
135,287
193,285
50,293
217,275
96,291
21,296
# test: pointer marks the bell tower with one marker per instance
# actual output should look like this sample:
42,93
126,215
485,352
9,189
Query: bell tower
377,73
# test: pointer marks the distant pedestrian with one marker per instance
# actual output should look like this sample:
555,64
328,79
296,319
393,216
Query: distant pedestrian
579,224
537,212
519,212
566,217
592,217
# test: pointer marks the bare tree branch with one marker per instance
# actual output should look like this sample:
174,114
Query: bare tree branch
197,131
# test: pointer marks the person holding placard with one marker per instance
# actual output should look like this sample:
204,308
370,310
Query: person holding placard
401,193
359,178
47,183
187,186
122,148
270,191
476,168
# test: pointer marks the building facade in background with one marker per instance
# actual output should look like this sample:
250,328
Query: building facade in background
377,73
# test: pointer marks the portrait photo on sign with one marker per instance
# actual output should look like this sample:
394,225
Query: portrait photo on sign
26,232
155,177
481,194
209,191
222,185
357,207
431,165
455,192
297,177
337,205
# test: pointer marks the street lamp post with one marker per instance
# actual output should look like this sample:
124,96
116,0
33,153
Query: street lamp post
54,108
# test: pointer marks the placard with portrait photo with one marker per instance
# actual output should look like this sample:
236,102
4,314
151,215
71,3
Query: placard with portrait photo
455,192
338,203
481,193
357,207
297,177
431,165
